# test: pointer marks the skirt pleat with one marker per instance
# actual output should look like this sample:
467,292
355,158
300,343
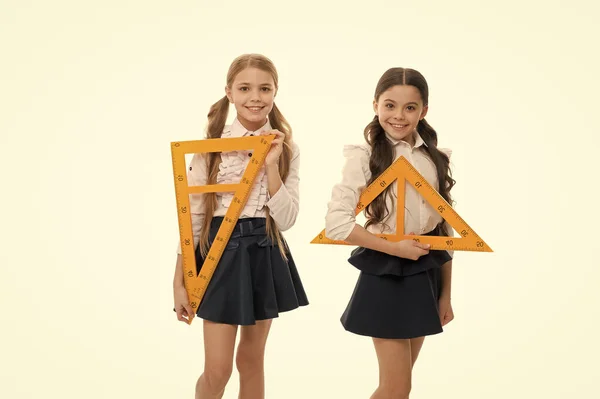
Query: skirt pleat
252,280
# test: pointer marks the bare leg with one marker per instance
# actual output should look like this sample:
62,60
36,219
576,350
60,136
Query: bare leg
395,364
250,359
219,342
415,347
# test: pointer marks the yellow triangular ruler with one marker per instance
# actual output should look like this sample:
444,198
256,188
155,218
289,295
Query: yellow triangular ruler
403,171
196,284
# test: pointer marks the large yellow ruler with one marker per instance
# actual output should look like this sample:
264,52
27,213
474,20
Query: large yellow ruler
402,171
195,283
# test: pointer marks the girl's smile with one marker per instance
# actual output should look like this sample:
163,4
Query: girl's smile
400,108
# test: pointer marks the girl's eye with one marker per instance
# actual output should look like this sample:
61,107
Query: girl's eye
266,89
388,105
410,108
243,88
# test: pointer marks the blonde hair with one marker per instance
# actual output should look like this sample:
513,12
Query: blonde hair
217,116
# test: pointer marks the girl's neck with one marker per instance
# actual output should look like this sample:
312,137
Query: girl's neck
410,139
252,126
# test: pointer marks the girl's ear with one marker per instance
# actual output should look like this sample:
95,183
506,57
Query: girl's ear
424,112
375,107
228,94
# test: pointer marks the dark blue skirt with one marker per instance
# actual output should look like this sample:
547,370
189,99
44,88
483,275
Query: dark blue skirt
252,281
395,298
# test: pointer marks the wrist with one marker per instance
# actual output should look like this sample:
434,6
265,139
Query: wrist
273,165
390,248
445,294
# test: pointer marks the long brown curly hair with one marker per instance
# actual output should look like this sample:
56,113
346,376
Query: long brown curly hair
382,153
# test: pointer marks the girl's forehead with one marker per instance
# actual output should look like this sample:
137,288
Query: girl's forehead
401,94
253,75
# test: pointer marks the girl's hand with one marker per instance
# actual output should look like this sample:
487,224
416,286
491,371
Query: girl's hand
276,147
410,249
184,311
446,312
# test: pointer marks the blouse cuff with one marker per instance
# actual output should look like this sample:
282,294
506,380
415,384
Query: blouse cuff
283,208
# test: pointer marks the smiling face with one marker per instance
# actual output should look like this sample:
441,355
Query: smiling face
399,109
253,93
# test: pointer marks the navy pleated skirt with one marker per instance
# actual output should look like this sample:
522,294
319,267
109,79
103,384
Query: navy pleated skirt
395,298
252,281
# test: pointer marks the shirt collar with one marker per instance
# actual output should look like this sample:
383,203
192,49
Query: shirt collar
238,130
418,140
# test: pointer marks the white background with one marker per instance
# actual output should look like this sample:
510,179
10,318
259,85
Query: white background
92,94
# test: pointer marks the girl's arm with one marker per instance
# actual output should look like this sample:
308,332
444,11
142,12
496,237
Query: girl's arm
340,222
178,279
446,280
284,201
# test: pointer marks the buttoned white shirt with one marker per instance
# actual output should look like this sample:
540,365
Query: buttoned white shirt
283,206
419,216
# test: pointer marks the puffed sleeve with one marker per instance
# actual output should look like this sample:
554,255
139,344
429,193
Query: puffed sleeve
340,218
285,204
196,176
451,232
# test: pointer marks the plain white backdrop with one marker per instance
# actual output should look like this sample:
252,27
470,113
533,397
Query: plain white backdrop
92,94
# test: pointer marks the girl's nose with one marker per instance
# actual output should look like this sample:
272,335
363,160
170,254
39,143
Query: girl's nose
255,95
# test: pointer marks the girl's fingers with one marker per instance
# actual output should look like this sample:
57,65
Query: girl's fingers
421,245
190,312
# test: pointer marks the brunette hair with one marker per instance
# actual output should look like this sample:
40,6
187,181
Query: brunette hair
382,153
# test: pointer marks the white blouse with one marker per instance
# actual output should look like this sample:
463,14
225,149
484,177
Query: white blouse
283,206
419,216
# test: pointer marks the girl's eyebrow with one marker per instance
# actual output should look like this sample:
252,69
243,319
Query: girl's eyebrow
392,101
250,84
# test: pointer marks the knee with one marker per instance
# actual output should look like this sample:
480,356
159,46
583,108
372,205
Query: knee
249,360
216,376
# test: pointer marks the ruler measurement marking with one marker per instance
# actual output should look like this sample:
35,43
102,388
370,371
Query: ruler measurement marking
402,171
197,283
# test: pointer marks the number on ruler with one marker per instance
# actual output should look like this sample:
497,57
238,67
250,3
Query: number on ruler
441,208
245,181
179,178
464,233
186,241
190,274
416,239
320,236
360,205
480,244
382,183
183,209
449,242
418,184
